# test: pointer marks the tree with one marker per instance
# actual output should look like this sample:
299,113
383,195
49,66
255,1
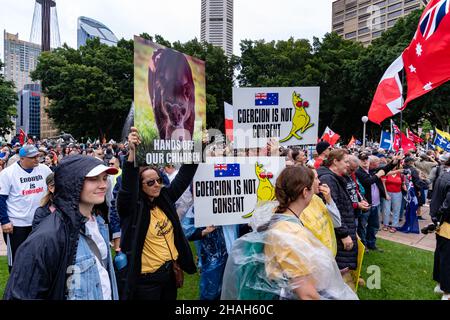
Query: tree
90,89
8,100
298,63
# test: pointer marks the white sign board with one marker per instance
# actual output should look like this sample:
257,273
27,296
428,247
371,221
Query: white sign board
290,115
226,190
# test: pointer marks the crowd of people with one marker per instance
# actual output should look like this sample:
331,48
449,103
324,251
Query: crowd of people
64,206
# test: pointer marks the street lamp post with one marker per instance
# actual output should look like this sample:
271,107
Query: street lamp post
364,120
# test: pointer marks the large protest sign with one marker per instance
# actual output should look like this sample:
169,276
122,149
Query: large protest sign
290,115
227,190
170,104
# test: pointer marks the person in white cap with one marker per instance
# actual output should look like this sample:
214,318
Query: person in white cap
22,186
67,256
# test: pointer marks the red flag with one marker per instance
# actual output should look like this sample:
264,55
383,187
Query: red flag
22,136
413,137
352,142
399,136
228,110
425,61
330,136
388,97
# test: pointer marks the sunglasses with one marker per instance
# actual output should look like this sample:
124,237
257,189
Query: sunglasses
111,163
152,182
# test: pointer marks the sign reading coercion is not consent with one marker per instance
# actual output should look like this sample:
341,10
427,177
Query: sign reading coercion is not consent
288,115
227,192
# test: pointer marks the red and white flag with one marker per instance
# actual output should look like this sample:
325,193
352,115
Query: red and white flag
401,140
425,61
22,136
388,99
413,137
330,136
228,110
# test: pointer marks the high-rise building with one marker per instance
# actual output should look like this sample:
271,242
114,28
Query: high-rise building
45,27
29,110
21,58
89,28
217,24
365,20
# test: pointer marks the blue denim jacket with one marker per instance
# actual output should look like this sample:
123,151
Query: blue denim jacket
84,280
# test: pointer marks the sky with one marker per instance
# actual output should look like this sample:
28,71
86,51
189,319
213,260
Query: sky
175,19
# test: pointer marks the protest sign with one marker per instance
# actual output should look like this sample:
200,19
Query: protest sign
227,190
290,115
170,104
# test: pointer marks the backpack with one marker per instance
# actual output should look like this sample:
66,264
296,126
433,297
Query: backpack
254,272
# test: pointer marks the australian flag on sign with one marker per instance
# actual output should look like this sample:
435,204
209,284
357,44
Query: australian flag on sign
227,170
266,99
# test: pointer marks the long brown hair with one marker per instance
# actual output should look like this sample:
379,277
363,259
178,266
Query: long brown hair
290,184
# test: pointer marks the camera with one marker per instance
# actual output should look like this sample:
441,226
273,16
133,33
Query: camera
429,228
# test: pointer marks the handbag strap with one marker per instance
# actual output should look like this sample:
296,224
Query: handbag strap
94,249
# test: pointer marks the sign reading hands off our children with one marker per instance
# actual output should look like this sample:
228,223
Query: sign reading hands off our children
290,115
227,190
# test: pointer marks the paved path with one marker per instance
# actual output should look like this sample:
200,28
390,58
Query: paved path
421,241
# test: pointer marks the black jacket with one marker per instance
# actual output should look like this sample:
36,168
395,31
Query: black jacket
338,187
367,179
133,203
440,200
40,264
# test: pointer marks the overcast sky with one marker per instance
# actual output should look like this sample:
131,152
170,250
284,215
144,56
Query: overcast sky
175,19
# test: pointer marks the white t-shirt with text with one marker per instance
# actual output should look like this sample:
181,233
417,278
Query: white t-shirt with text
24,190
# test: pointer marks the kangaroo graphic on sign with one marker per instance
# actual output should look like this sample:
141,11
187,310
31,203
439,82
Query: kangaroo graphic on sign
301,119
265,190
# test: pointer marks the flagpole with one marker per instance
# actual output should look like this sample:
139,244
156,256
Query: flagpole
401,111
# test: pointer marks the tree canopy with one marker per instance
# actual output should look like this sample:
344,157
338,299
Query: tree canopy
91,89
8,99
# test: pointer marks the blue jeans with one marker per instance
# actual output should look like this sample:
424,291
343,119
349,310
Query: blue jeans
373,224
395,204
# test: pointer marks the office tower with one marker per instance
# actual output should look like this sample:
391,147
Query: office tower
45,28
217,24
365,20
29,110
21,58
89,28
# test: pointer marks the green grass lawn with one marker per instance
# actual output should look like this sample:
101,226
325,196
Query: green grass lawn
406,274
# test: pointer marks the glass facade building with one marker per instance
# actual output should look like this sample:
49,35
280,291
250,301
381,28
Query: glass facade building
29,110
89,28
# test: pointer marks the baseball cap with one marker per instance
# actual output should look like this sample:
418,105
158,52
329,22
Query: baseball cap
100,169
17,144
444,157
28,151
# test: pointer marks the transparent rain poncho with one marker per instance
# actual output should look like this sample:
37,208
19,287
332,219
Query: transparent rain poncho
278,258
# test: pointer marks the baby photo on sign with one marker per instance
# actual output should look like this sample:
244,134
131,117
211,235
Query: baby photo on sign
170,104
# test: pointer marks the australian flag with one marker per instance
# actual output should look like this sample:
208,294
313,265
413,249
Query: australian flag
227,170
266,99
432,18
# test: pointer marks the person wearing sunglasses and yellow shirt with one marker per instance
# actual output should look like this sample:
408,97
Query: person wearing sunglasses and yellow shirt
152,238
